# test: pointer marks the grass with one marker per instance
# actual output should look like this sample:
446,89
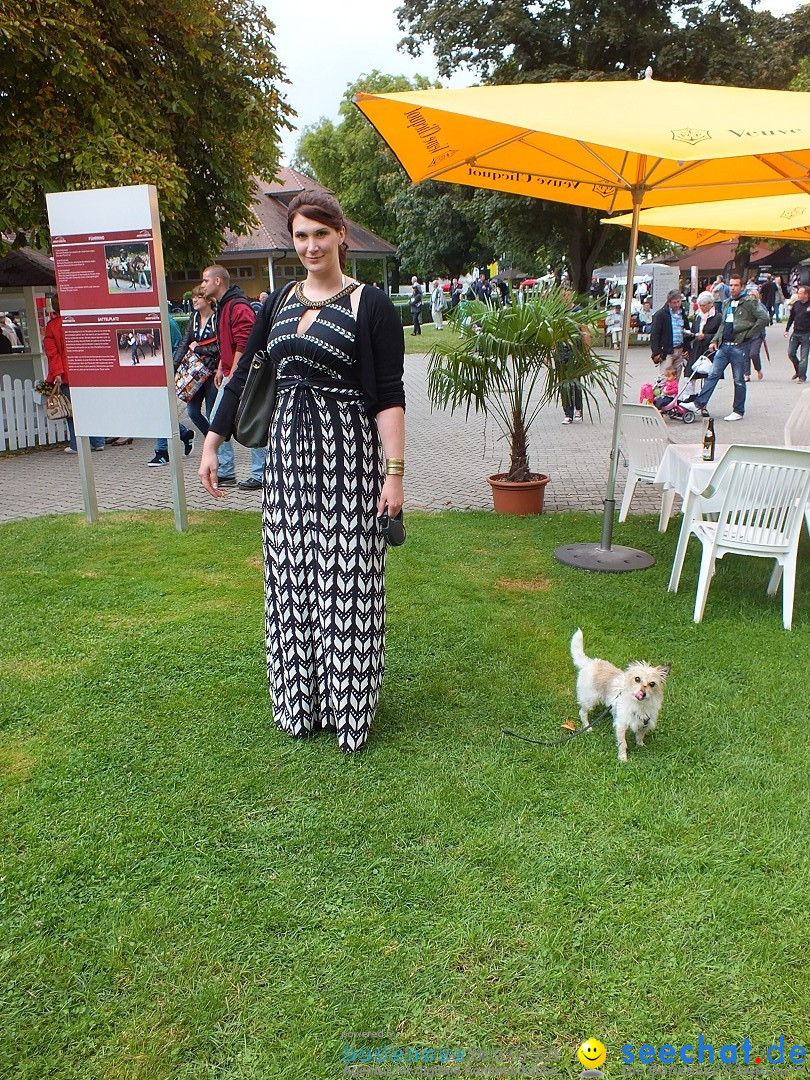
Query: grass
186,893
424,342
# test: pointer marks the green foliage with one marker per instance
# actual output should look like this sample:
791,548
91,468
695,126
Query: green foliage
801,80
562,40
352,160
510,361
435,226
439,230
188,894
161,92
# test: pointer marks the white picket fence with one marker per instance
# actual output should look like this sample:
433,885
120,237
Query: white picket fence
22,417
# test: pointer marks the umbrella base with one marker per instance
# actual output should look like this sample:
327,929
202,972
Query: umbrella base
614,560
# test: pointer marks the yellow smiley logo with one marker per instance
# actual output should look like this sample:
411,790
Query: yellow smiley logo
592,1054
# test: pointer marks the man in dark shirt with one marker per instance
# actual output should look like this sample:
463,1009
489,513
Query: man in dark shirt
800,338
767,292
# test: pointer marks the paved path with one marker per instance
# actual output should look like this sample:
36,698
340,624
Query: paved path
448,458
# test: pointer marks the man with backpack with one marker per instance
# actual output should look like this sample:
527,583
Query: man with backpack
235,319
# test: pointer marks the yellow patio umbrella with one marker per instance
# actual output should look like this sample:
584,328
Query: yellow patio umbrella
699,224
616,145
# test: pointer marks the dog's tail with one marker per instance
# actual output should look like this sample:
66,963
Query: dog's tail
577,650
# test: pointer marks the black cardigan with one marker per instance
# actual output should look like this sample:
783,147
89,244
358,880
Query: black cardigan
379,350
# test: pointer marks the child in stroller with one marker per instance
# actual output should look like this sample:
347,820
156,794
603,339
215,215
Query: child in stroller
667,397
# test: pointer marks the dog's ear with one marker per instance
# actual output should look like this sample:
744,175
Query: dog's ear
664,670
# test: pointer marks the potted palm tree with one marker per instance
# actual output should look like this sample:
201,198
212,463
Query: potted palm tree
508,362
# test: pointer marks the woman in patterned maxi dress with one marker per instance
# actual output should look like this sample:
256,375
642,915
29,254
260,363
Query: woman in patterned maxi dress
333,465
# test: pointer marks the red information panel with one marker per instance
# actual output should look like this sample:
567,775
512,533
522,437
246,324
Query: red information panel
106,270
115,350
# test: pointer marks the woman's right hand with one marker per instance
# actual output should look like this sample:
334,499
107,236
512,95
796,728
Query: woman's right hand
57,382
207,472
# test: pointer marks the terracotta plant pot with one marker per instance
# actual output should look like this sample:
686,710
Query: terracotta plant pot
524,498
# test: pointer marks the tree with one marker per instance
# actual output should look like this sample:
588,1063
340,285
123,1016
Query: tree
439,229
435,226
513,41
352,160
186,97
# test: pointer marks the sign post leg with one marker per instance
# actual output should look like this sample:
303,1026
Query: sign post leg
88,479
176,454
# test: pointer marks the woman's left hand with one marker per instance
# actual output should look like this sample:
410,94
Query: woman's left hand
392,496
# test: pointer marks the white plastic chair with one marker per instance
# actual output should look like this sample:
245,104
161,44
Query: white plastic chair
797,430
646,438
797,425
765,491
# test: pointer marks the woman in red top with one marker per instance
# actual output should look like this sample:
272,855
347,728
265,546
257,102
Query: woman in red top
54,344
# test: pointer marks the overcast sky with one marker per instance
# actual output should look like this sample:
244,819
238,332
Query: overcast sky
341,41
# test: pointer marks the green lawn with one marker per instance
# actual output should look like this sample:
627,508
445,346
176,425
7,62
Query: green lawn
424,342
186,893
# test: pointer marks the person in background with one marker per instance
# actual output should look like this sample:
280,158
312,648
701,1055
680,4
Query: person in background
719,291
665,389
437,304
742,319
799,343
415,305
613,324
757,342
670,332
767,294
53,343
645,316
235,319
780,299
704,327
161,456
571,392
482,289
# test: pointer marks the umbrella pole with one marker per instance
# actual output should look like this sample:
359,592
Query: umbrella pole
610,500
604,556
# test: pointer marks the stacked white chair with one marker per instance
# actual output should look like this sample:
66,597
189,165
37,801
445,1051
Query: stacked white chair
797,426
765,490
797,430
646,439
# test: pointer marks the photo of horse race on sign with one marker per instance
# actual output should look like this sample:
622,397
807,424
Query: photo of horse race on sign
129,268
139,345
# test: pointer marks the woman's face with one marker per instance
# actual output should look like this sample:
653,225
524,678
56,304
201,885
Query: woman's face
705,305
317,245
199,303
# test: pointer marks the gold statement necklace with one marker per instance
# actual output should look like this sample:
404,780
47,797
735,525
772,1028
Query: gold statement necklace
307,303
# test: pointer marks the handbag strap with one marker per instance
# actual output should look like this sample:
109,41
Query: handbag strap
278,304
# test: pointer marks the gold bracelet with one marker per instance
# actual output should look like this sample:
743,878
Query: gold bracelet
394,472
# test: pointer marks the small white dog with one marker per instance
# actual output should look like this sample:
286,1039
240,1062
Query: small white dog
634,696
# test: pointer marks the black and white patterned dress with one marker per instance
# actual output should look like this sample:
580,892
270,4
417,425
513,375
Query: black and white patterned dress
324,558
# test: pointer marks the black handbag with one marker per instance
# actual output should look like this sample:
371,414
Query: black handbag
392,528
255,411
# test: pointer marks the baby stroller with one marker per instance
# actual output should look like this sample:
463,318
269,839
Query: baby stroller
688,392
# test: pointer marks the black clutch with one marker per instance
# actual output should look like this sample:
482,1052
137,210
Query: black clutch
392,528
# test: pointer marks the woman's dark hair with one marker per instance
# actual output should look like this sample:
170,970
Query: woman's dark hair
318,206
